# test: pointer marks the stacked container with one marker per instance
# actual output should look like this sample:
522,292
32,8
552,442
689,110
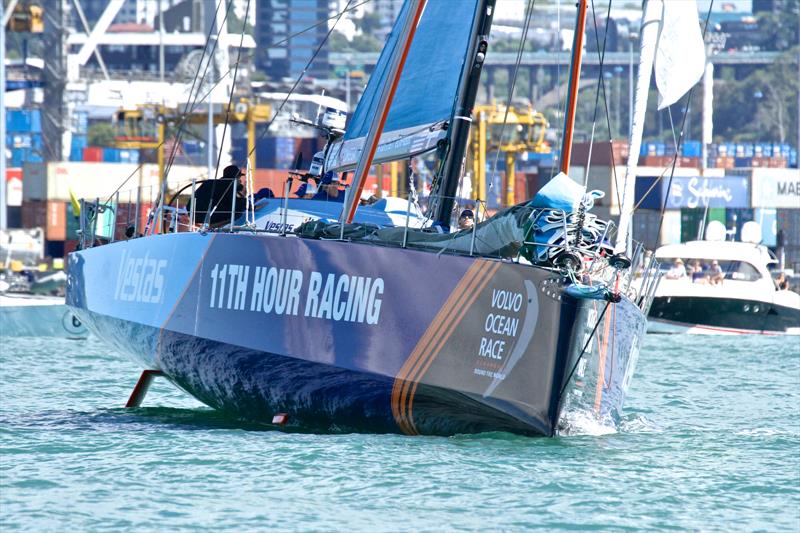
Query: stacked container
24,136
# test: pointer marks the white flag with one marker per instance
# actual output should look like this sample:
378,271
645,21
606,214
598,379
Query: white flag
681,54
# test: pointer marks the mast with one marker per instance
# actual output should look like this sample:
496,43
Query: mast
574,82
651,19
461,118
416,7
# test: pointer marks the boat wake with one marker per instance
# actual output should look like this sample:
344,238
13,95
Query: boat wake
582,422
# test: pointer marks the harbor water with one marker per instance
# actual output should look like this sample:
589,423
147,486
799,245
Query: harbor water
710,441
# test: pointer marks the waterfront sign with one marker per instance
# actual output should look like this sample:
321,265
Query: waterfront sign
697,191
776,188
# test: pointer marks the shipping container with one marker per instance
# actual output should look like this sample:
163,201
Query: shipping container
93,154
23,121
743,162
111,155
79,141
692,218
735,219
604,153
661,161
56,229
688,162
767,219
691,149
778,162
34,214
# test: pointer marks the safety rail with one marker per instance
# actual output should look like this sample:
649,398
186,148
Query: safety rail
143,211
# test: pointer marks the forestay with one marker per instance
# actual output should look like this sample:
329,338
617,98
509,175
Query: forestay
427,90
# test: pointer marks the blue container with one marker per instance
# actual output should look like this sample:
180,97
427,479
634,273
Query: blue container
17,157
764,148
749,150
129,156
111,155
193,147
793,158
661,149
79,142
76,154
691,149
743,162
24,121
785,150
19,140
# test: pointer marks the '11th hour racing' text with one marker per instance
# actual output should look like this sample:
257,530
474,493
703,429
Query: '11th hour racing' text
283,291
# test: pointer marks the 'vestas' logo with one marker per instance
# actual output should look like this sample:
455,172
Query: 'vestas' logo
140,279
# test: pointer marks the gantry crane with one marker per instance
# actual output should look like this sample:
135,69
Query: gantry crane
145,126
524,132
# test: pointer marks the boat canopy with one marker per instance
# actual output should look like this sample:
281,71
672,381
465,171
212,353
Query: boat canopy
427,90
720,250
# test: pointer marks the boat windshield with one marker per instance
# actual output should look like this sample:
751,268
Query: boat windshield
701,269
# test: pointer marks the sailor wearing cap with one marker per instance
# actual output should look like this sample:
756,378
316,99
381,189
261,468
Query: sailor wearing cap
466,219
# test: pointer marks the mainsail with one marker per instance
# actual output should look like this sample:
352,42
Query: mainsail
426,93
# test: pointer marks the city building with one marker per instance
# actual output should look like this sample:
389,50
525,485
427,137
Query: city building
281,52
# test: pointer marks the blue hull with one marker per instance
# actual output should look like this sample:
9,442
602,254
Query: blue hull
355,337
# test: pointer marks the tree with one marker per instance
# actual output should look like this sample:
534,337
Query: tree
369,23
101,134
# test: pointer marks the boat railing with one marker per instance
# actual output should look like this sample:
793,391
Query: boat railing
147,211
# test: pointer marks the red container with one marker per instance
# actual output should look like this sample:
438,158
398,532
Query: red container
688,162
93,154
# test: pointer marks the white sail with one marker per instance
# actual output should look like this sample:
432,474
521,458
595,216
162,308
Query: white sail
667,34
680,55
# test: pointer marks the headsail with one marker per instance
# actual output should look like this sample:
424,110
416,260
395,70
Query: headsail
670,34
426,92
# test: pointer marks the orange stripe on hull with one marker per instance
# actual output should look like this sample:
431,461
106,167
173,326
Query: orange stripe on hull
442,322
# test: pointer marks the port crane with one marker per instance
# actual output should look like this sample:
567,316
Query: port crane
524,132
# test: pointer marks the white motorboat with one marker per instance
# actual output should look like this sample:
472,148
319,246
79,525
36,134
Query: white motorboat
721,287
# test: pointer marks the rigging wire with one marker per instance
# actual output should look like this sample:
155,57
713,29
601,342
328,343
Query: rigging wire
181,129
512,82
197,101
601,86
283,103
303,73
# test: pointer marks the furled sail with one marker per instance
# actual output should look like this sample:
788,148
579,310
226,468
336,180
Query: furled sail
427,90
